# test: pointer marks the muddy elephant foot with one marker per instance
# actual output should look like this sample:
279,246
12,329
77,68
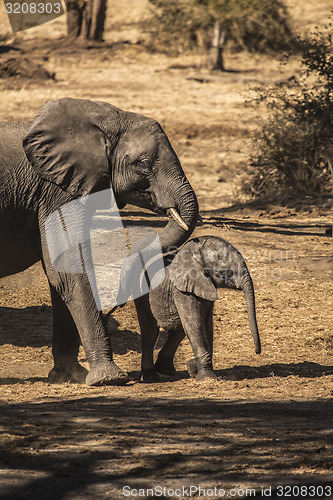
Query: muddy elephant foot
74,373
109,374
150,375
165,367
199,373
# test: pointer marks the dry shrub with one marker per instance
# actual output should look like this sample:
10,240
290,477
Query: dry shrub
290,150
176,26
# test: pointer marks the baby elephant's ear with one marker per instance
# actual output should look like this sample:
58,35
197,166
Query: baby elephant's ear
187,274
66,146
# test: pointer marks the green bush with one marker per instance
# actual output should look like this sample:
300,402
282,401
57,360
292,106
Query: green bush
290,150
256,25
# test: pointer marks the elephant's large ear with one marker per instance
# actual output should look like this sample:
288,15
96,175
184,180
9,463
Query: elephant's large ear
66,145
187,274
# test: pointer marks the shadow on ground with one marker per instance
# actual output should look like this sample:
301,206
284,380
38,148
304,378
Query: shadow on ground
92,447
14,321
305,369
288,229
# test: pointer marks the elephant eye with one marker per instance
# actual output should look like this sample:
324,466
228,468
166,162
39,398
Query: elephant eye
145,164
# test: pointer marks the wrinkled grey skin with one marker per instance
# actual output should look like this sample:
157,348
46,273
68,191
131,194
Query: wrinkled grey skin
183,305
71,149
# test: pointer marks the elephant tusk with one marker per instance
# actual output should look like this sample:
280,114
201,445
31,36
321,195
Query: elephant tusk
178,218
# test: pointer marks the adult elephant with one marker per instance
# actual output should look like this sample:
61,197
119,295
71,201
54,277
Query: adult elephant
74,148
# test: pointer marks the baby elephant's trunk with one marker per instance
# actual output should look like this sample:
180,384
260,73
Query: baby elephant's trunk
251,310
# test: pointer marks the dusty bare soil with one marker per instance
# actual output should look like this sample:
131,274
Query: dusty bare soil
268,421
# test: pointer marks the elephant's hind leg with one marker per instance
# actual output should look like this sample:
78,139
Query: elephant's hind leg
66,343
164,363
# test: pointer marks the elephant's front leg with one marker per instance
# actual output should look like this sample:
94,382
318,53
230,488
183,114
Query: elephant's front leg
66,343
196,317
193,366
71,274
149,333
90,324
73,296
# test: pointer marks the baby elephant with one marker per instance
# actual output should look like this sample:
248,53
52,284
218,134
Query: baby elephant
183,305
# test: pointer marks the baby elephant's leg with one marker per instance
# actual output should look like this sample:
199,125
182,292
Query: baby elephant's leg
164,363
196,316
193,364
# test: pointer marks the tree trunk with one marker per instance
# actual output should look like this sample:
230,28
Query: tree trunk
97,20
217,47
329,157
86,18
75,9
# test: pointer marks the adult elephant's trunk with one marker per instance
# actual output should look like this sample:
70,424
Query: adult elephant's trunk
179,196
251,309
184,202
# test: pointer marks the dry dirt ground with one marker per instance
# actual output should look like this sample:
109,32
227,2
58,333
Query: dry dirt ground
268,421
